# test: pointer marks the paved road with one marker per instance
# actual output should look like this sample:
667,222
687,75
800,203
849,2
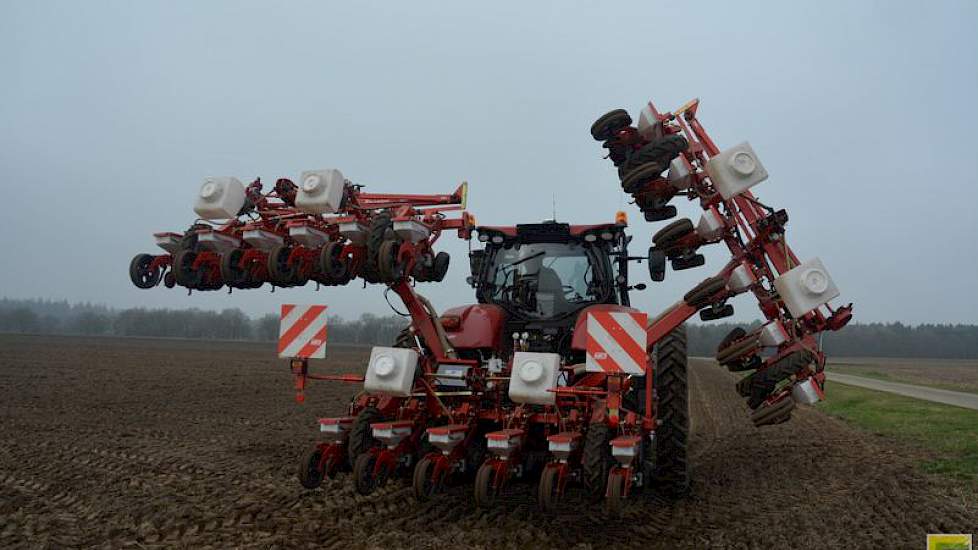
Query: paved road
956,398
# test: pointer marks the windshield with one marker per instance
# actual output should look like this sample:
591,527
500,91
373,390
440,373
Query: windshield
546,279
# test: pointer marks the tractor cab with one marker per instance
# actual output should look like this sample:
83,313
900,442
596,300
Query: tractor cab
535,280
551,270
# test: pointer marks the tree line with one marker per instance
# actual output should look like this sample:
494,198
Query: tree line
61,317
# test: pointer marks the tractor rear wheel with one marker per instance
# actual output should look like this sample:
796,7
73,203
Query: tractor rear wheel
596,461
361,437
672,413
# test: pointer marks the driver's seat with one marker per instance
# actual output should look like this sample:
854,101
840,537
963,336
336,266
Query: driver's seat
550,292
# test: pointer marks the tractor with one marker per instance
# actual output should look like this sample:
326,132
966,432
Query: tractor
551,375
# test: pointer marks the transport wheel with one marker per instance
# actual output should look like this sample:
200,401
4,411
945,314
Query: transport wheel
231,271
702,293
332,264
279,270
672,232
672,413
310,476
361,437
596,460
548,492
141,274
485,494
380,228
183,271
610,124
764,381
439,266
615,500
169,280
424,487
363,473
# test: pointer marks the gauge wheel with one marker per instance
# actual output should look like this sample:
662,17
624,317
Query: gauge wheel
610,124
310,475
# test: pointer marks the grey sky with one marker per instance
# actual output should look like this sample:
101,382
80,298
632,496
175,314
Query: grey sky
864,113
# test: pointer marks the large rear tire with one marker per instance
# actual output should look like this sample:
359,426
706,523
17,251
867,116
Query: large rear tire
672,414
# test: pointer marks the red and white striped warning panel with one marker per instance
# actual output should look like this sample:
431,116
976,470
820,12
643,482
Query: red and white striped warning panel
302,332
616,342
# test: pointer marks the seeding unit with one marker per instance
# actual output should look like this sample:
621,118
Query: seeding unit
551,375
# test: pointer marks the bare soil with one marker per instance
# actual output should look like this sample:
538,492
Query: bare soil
164,443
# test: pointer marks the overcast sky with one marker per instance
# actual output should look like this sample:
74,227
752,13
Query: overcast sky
864,113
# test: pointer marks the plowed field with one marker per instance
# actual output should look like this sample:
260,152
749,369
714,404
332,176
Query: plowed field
155,443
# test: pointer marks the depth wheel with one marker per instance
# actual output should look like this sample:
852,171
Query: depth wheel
332,264
363,473
485,494
279,270
615,501
380,229
702,293
422,483
672,232
610,124
141,274
641,175
310,476
183,269
231,271
548,493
